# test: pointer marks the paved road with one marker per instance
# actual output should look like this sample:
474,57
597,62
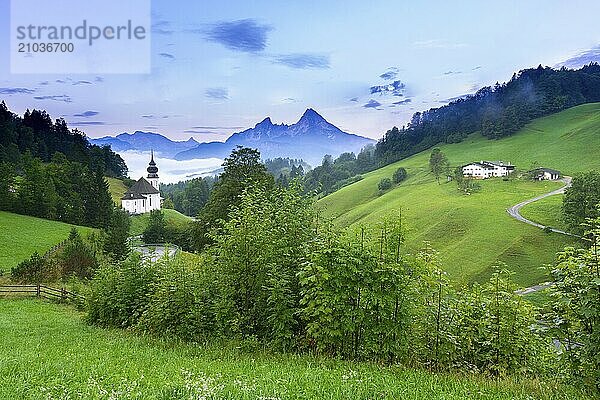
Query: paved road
156,252
514,211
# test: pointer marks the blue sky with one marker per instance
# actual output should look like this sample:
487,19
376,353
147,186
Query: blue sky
221,66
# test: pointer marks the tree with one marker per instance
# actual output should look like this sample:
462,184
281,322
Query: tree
438,163
240,170
384,184
581,200
155,231
117,233
399,175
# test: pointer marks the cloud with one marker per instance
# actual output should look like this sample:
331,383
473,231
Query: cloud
476,68
372,104
303,60
152,116
405,101
217,127
44,83
217,93
98,79
149,116
162,28
395,88
87,123
355,99
15,90
245,35
451,99
391,73
452,72
60,81
583,58
437,44
62,97
202,131
86,114
82,83
289,100
167,55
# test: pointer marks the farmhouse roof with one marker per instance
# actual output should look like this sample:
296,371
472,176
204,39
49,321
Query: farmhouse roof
549,170
139,189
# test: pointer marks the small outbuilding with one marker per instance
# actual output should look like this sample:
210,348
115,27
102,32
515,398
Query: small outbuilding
545,174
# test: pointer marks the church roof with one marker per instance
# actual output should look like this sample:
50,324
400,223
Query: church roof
138,189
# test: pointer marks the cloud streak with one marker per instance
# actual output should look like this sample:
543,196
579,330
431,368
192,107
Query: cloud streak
372,104
16,90
583,58
390,74
303,60
217,93
86,114
246,35
63,97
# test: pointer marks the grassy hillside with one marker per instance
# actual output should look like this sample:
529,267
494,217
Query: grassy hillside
21,235
140,222
59,356
474,232
545,211
117,189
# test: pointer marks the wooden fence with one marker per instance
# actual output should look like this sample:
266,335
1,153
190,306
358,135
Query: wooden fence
41,291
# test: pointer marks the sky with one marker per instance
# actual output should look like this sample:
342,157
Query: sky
218,67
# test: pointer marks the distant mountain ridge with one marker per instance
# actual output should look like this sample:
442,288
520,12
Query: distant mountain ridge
309,139
145,141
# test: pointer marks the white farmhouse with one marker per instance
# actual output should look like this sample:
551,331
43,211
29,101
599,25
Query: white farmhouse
487,169
143,196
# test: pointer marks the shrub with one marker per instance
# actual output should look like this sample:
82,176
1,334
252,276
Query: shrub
384,184
399,175
77,258
156,229
33,270
119,294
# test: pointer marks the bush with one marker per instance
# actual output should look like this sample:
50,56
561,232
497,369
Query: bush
155,231
119,294
399,175
33,270
77,258
384,184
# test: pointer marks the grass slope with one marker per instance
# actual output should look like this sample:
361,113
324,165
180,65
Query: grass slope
140,222
117,189
474,232
60,357
545,212
21,235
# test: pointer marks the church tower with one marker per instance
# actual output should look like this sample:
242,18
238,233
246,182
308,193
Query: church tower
153,172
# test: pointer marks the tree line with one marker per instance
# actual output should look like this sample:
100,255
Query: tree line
495,111
36,134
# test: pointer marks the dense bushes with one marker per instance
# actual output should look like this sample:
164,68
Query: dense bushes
74,257
276,275
576,309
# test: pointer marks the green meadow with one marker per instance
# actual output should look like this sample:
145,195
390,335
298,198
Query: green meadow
22,235
60,357
140,222
474,232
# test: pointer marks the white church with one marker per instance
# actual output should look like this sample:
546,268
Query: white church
143,196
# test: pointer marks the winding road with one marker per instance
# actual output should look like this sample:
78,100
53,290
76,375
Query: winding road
514,211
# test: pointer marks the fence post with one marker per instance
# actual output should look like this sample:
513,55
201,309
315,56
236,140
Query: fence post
63,295
37,292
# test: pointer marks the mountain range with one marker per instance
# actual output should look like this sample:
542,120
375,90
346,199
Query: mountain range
309,139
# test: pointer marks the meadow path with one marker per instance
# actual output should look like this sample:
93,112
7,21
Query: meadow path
514,211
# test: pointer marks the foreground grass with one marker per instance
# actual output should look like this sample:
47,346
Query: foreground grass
22,235
140,222
60,357
472,233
